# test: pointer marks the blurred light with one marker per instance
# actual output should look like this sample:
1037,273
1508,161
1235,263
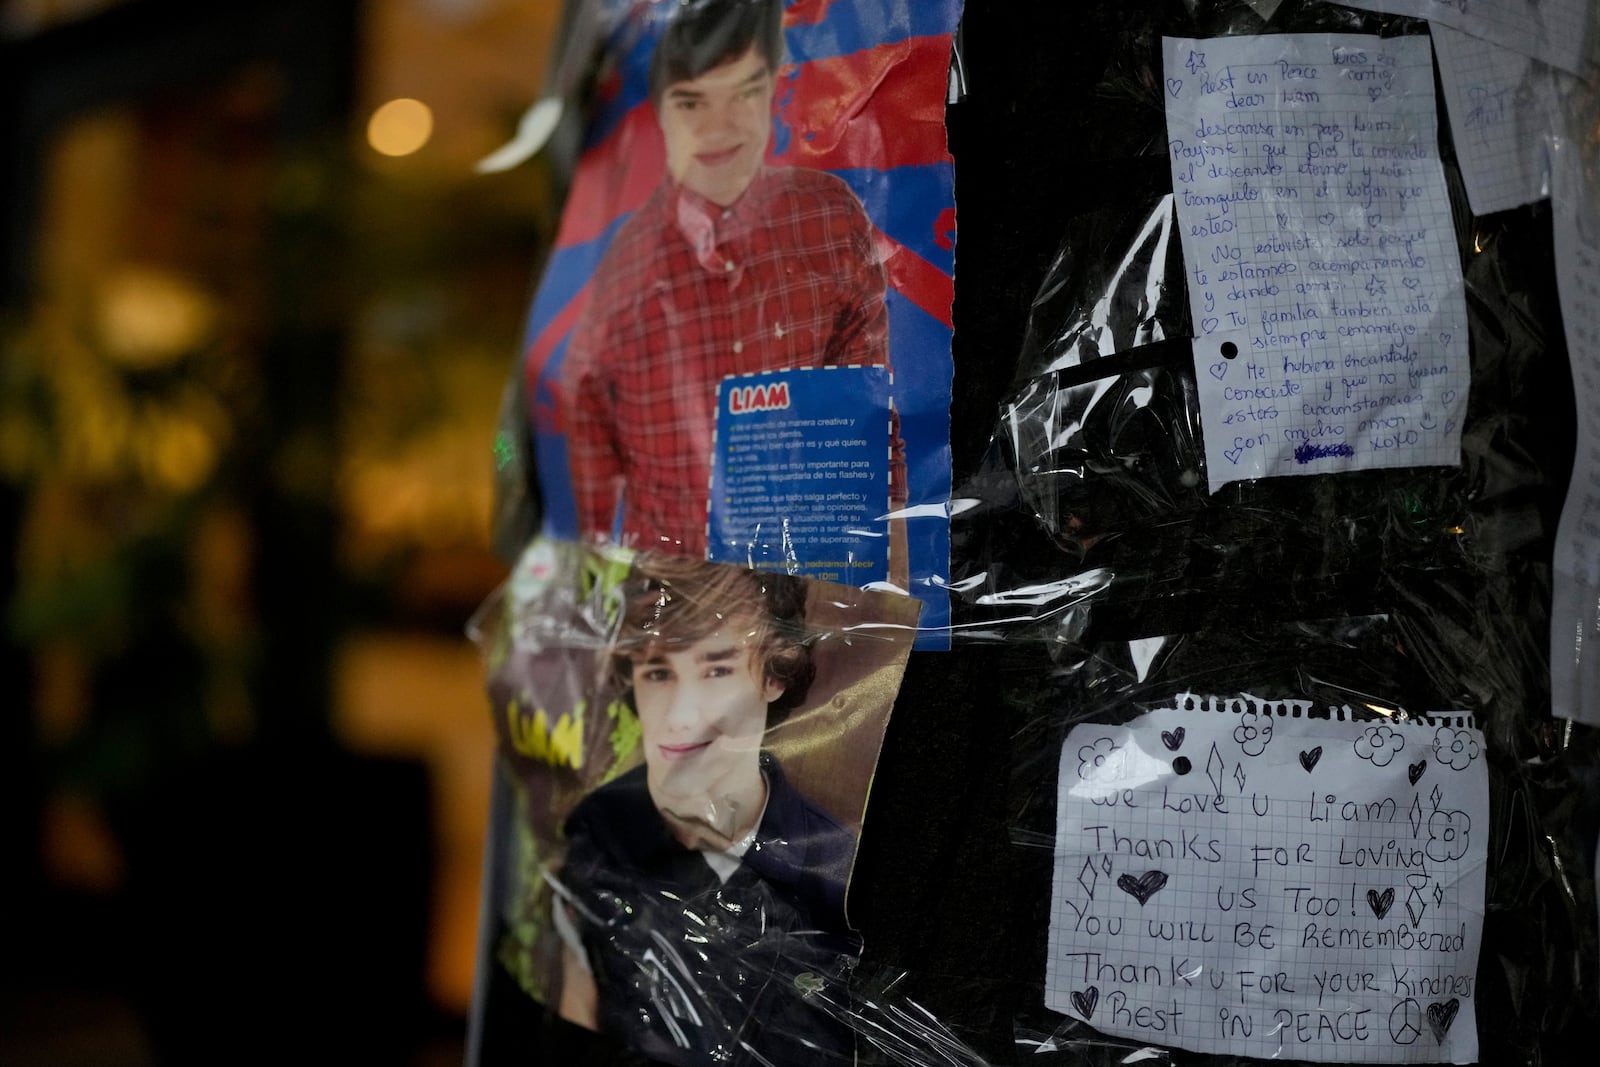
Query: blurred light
149,317
400,127
455,10
80,849
180,455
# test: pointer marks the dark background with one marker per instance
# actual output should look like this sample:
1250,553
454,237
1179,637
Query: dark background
250,371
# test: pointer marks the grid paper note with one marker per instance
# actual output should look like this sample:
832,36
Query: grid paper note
1324,279
1502,107
1559,32
1235,877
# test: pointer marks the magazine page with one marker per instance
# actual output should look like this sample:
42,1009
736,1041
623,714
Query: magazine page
689,747
740,348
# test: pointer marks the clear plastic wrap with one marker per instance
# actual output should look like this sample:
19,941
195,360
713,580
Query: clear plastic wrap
1087,531
1093,577
1096,466
1367,666
739,349
688,748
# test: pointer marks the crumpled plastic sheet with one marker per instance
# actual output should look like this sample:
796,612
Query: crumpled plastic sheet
1536,928
1087,525
759,968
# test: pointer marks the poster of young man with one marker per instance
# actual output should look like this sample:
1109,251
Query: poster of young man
740,350
690,746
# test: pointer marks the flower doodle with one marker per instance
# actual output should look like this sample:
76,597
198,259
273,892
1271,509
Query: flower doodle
1101,761
1253,732
1454,748
1447,835
1379,744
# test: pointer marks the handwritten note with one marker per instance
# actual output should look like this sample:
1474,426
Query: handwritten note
1234,876
1323,275
1502,106
1556,31
1575,613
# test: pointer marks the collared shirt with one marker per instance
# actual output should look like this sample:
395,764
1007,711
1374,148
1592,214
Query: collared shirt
692,968
723,864
787,277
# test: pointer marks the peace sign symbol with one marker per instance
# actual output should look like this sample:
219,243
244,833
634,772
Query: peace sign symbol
1405,1022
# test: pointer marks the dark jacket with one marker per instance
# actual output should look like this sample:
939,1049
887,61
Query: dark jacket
691,970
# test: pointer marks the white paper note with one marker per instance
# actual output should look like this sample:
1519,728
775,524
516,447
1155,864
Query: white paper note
1575,613
1502,107
1233,876
1319,246
1559,32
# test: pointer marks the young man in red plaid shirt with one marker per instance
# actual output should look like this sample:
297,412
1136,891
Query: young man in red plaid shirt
731,267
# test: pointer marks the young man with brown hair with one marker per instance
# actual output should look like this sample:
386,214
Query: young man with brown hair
702,896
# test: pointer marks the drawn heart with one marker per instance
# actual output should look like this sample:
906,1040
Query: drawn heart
1411,283
1172,739
1444,339
1174,87
1218,370
1326,218
1448,396
1449,424
1143,887
1207,325
1414,771
1232,455
1374,219
1440,1016
1083,1003
1308,760
1374,91
1380,903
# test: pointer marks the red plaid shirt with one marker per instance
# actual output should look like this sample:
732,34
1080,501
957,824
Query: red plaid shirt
688,293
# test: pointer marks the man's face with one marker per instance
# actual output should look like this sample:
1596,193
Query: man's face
702,710
717,126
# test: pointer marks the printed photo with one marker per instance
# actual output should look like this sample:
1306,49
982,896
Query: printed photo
765,194
693,829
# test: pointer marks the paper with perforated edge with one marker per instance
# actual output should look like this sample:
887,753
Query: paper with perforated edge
1236,876
1318,241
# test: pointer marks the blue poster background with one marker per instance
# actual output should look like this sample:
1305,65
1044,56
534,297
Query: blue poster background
861,97
800,480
